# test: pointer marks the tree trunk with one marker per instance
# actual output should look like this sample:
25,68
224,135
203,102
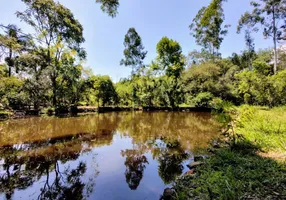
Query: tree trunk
274,41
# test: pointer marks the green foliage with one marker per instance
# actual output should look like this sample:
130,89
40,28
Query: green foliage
258,89
13,43
269,14
262,68
109,6
98,90
207,27
11,93
214,77
170,57
48,68
124,89
134,50
60,34
202,100
3,71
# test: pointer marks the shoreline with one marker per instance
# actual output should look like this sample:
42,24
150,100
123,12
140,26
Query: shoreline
74,111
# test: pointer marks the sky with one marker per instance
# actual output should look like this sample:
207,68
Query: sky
153,19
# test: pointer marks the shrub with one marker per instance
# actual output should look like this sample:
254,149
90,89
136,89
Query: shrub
203,100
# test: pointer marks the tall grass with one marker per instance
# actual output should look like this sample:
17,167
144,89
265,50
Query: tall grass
264,127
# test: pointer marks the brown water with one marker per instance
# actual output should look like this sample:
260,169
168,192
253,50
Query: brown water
103,156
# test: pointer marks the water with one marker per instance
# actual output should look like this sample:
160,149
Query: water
104,156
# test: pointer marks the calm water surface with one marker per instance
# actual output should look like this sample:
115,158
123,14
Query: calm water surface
104,156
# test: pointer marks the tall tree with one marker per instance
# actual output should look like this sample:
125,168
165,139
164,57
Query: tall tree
134,54
249,41
171,61
270,14
56,29
134,50
207,27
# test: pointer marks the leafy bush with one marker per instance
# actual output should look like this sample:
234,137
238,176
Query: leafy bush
262,67
203,100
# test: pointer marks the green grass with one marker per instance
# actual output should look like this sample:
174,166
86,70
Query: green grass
239,171
264,127
235,174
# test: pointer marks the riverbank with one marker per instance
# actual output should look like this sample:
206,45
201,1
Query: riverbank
74,110
254,167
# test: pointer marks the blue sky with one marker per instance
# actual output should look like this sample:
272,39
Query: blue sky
152,19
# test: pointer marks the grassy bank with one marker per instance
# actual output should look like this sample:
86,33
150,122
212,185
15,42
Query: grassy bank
253,168
264,127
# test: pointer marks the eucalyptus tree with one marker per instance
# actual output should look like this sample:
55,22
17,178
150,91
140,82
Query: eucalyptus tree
250,52
207,27
56,30
134,53
270,14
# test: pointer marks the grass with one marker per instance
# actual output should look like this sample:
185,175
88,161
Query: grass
264,127
241,171
235,174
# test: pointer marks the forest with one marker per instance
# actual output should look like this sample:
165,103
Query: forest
44,69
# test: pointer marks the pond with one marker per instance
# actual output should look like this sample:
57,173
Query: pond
124,155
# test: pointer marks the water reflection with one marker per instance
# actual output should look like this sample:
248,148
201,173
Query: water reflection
170,158
135,164
88,156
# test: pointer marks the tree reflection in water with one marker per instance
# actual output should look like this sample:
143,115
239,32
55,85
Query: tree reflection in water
135,164
170,156
21,171
66,185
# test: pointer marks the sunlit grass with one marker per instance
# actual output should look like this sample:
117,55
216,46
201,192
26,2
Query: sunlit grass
264,127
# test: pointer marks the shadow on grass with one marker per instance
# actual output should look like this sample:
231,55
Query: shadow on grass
236,172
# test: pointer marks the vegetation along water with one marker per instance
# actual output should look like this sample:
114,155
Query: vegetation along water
208,124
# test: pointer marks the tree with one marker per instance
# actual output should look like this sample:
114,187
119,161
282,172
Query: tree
249,41
207,27
109,6
99,89
124,90
13,42
170,57
268,14
36,83
57,30
197,57
134,50
171,62
134,53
